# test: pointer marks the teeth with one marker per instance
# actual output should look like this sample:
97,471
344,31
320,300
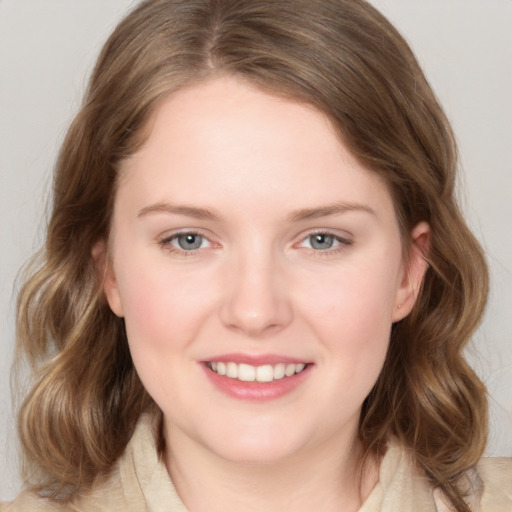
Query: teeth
232,370
265,373
289,370
221,368
248,373
279,371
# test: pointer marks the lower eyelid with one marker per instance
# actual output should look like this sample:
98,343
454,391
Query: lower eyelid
337,250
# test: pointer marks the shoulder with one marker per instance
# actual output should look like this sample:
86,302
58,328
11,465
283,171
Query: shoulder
403,487
107,496
104,498
29,502
139,482
496,476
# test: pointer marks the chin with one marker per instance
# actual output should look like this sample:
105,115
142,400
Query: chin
257,454
250,447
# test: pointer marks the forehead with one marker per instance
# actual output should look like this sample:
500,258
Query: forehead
225,139
229,111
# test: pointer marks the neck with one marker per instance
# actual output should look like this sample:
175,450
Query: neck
325,478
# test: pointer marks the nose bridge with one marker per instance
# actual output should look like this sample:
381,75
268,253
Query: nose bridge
256,298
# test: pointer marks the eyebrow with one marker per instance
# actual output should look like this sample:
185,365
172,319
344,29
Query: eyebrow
188,211
295,216
327,210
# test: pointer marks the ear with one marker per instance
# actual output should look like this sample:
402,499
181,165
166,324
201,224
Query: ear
413,272
106,276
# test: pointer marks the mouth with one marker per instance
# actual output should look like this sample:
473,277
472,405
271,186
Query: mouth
248,373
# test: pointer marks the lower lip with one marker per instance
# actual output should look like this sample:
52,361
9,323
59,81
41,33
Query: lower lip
256,391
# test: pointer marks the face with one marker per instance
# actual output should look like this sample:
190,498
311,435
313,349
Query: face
259,268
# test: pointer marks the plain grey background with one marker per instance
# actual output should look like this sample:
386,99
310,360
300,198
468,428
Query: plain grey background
47,49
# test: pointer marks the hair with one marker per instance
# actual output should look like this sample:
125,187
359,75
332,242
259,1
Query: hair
346,60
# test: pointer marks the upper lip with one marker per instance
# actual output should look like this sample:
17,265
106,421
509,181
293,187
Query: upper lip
255,360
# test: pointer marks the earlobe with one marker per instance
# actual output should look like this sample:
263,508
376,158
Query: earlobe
414,272
106,276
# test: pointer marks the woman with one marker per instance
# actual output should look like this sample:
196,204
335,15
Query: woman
257,284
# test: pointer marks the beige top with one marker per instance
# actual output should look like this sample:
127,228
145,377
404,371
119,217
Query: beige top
140,483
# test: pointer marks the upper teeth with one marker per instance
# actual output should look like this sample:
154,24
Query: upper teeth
248,373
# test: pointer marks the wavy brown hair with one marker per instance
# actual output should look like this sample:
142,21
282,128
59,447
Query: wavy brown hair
345,59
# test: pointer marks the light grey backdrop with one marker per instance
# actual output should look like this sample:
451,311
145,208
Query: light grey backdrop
47,48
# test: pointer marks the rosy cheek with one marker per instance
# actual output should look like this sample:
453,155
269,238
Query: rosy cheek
143,305
351,308
162,308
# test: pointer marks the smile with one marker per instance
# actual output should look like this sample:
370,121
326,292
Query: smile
248,373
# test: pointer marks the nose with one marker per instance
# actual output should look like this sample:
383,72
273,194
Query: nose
256,300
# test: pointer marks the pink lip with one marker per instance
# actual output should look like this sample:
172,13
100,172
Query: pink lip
255,391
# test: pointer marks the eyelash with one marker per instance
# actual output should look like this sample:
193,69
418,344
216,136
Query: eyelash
342,243
166,243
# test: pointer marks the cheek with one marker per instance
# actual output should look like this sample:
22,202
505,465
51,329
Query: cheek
352,314
163,308
144,304
354,300
162,319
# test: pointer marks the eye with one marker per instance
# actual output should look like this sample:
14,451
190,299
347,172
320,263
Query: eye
185,242
188,241
322,241
325,243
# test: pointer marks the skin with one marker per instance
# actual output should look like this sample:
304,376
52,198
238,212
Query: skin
259,175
